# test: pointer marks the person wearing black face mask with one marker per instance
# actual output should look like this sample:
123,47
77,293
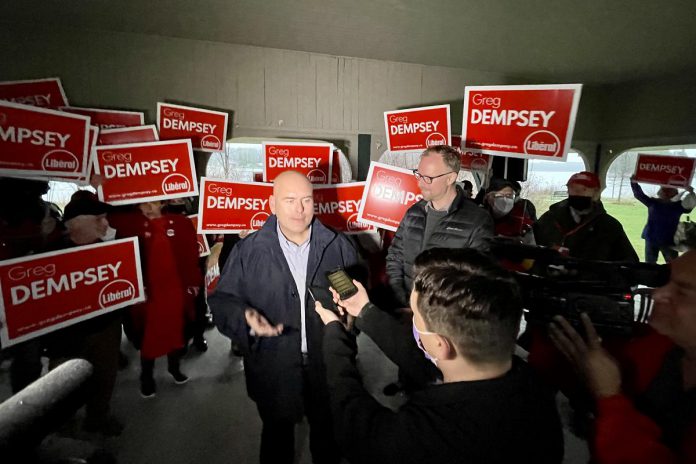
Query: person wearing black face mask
580,227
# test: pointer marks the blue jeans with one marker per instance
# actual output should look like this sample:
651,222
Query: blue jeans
652,250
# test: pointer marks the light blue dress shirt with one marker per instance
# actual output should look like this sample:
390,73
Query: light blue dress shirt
296,257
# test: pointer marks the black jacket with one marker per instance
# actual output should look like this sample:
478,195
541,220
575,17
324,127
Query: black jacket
394,338
509,419
465,226
598,237
257,275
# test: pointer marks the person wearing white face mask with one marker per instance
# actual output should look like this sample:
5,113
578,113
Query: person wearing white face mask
97,340
510,217
487,407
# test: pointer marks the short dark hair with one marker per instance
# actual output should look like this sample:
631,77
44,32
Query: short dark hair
468,298
449,155
467,185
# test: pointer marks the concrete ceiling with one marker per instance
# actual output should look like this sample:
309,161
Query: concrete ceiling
591,41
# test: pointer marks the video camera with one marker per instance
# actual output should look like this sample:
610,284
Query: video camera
561,285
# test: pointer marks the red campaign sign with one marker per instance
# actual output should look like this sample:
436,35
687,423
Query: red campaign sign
45,93
207,129
140,172
672,171
37,141
109,119
128,135
314,160
232,207
389,192
212,277
46,292
203,247
337,206
521,121
418,128
82,180
470,161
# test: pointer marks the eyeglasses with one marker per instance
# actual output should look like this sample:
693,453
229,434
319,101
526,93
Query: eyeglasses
428,179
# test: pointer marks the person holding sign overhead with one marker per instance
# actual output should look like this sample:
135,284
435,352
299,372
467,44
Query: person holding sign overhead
663,218
169,253
263,304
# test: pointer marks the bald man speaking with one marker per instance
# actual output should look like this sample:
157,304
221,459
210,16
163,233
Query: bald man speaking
263,305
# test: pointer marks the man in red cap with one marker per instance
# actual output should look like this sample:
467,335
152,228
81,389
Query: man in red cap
580,226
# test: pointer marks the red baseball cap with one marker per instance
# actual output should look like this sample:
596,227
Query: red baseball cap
585,178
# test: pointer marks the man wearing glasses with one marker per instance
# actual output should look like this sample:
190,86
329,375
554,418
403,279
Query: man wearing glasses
443,218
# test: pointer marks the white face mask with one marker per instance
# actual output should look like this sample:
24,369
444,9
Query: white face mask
109,235
503,205
416,335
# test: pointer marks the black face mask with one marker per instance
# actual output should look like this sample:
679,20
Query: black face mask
580,203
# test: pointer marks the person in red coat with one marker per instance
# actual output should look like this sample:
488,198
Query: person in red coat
645,407
169,256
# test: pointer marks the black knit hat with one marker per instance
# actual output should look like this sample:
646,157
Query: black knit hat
497,184
84,202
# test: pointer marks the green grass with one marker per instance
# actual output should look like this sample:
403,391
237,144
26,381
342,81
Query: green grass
632,215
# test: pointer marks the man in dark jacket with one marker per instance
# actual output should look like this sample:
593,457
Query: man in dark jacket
581,228
443,218
663,219
262,304
97,340
489,407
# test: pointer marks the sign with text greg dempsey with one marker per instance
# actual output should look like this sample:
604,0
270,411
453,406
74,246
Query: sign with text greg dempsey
140,172
231,207
46,292
45,93
337,206
416,129
389,192
469,160
109,119
207,129
520,121
128,135
314,160
203,247
41,142
670,171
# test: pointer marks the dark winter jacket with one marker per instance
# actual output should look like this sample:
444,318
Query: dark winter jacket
598,237
663,217
511,418
257,275
465,226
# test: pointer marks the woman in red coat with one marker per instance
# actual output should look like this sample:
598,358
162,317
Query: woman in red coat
169,255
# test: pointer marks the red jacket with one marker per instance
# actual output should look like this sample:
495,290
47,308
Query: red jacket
625,435
622,433
169,257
